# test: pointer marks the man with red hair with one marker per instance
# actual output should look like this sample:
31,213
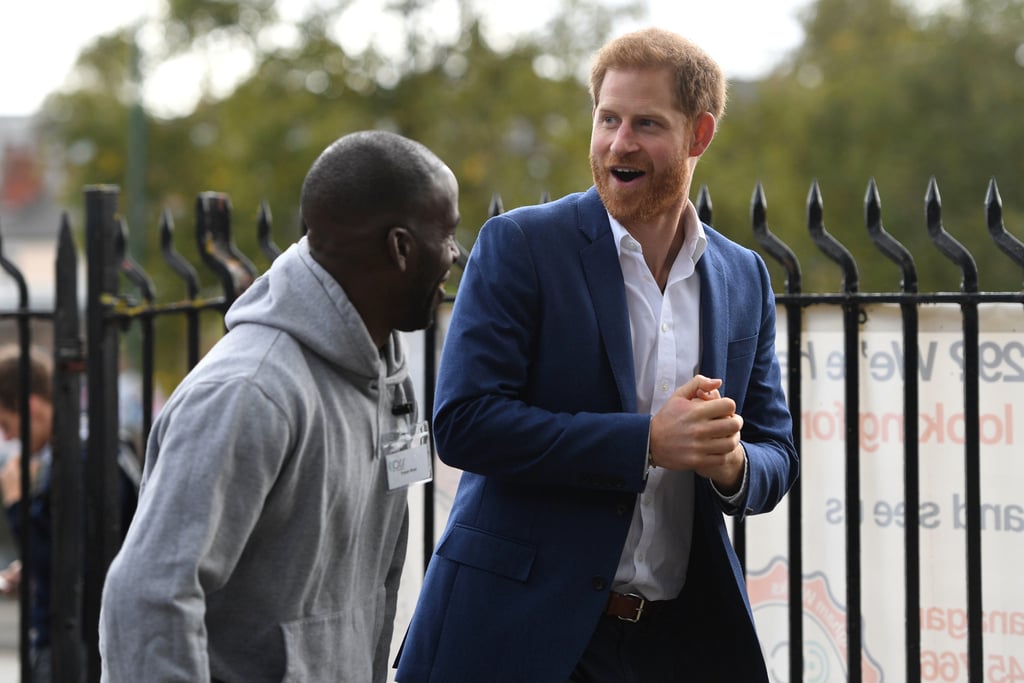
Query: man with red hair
609,386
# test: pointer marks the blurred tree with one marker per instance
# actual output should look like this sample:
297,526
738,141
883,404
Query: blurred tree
878,90
189,21
513,120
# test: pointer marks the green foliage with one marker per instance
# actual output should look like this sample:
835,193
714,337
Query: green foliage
879,91
488,114
191,20
500,126
876,90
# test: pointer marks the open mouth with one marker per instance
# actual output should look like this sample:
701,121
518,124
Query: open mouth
627,175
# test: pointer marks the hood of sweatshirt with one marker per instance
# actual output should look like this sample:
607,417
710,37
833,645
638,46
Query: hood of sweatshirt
297,296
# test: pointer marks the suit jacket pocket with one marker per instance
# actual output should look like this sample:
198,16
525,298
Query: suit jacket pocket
490,552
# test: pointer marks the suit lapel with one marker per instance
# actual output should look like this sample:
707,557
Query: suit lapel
714,314
603,273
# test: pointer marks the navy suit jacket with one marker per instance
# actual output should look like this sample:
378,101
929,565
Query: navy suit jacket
536,403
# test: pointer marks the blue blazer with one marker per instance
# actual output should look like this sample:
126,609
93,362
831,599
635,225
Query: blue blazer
536,403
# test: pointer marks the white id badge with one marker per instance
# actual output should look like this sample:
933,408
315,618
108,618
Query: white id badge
407,457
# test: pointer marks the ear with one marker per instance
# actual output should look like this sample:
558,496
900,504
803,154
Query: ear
401,247
703,132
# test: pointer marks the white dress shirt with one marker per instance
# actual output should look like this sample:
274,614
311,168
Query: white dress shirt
665,329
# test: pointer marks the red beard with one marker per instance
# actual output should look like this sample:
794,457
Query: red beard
663,190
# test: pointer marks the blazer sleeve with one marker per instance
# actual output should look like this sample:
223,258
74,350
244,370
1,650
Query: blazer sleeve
483,420
767,434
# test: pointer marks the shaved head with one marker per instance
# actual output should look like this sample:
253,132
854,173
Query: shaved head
365,182
380,212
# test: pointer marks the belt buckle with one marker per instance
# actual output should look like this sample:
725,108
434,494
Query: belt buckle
639,608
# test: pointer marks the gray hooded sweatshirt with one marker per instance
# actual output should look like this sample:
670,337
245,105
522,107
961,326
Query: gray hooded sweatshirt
266,546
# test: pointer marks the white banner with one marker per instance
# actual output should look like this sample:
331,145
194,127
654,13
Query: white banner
942,508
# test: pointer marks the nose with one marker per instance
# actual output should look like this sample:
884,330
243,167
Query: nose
623,143
453,248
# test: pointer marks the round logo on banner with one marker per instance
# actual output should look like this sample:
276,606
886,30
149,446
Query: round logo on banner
825,655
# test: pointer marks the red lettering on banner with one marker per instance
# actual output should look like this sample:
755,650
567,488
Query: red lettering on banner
936,426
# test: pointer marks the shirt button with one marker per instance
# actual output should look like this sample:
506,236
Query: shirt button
664,327
664,386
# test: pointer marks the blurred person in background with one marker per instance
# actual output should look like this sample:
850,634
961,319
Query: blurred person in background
33,509
40,467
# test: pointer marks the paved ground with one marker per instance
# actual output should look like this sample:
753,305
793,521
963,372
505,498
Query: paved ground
9,668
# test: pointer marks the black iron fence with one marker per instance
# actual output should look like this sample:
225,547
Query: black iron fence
87,519
910,300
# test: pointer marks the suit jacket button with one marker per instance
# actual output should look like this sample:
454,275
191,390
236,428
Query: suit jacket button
598,583
621,509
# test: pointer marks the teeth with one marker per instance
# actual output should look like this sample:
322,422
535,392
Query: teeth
626,174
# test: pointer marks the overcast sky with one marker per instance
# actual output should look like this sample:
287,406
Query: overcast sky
40,39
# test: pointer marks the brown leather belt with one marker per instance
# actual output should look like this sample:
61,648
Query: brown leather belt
630,606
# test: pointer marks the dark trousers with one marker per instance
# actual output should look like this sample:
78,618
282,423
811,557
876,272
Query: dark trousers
649,651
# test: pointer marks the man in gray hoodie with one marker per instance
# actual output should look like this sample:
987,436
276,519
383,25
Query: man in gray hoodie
272,522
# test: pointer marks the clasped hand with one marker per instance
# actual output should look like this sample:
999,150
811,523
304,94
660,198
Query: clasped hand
697,429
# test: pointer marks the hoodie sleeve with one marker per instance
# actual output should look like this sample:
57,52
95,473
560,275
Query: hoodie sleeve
212,458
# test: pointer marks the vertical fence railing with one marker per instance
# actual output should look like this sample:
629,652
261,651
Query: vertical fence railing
134,273
67,498
85,545
835,251
22,317
102,514
781,253
217,248
956,253
184,270
899,255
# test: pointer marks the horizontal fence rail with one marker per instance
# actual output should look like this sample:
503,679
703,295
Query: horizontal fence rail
85,488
